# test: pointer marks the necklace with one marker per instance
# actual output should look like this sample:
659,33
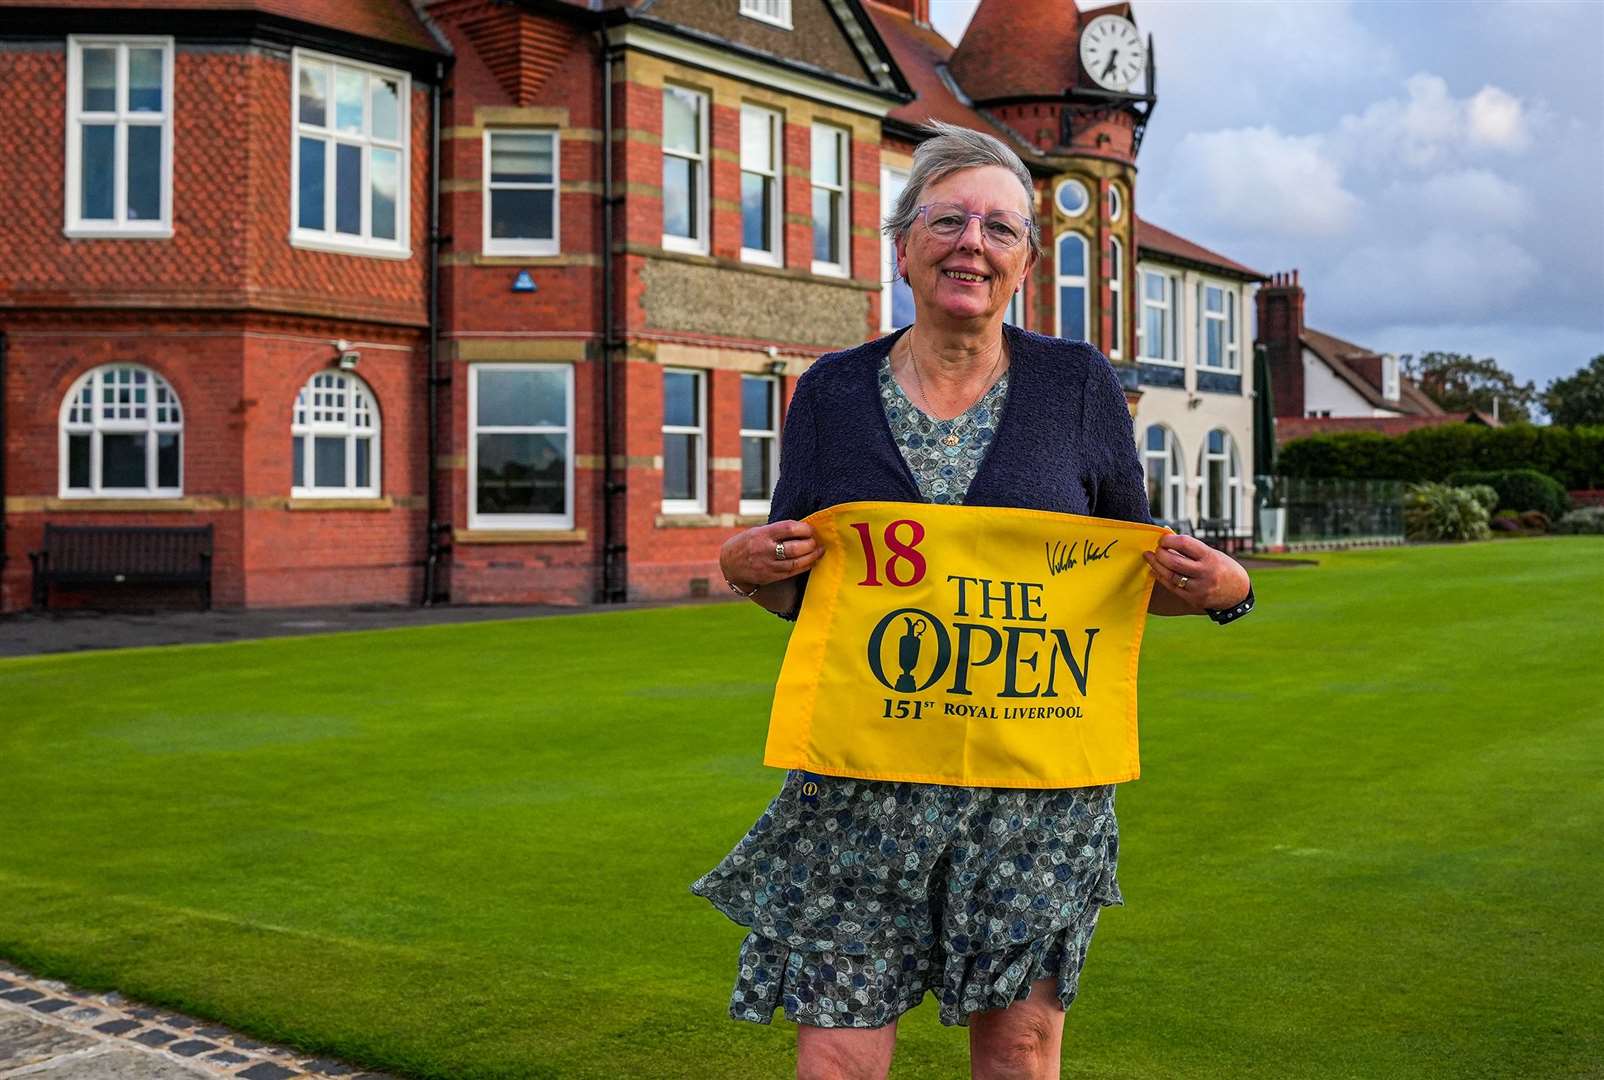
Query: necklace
951,438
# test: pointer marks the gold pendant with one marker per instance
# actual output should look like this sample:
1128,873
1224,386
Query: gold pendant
951,440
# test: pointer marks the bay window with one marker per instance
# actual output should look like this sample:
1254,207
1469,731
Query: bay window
119,137
349,156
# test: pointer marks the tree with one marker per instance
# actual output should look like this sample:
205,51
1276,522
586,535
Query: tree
1460,383
1580,398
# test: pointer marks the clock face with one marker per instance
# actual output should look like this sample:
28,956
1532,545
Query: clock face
1111,52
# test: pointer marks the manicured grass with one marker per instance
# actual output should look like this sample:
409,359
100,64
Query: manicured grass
1365,844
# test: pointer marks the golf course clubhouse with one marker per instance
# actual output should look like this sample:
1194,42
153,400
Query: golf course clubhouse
474,302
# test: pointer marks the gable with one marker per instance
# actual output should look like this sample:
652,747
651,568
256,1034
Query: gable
817,38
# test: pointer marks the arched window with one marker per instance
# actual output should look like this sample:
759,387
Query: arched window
122,433
1166,474
335,431
1116,202
1072,290
1116,295
1220,479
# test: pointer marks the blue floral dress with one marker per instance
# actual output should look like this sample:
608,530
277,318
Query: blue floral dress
865,894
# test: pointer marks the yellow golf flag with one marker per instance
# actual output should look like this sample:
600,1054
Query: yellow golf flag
966,645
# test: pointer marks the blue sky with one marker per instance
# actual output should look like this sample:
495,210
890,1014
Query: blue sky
1434,170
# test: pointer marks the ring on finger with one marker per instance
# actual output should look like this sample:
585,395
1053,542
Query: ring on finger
1181,580
779,550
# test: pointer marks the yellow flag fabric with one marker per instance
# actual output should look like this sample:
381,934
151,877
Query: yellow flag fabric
966,645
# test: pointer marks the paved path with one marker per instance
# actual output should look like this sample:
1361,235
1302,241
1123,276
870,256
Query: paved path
54,1031
29,634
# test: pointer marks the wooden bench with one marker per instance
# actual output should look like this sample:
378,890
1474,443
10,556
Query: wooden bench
123,555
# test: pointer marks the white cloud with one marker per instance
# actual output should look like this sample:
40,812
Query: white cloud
1432,128
1497,120
1260,181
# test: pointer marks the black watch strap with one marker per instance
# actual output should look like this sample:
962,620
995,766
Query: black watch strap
1231,614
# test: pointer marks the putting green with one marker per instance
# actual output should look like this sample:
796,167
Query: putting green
1365,841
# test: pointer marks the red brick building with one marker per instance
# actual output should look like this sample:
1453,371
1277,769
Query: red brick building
482,301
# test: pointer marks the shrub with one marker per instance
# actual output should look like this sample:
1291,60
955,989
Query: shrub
1520,489
1589,519
1440,512
1508,515
1485,494
1535,519
1505,524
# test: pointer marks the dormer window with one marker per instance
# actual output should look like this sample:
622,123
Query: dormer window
1389,377
773,12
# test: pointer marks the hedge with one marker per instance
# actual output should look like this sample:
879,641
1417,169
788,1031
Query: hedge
1572,455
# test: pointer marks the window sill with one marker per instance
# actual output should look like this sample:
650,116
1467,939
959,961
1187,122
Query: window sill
760,258
824,269
337,247
94,232
543,251
339,502
710,521
518,536
135,504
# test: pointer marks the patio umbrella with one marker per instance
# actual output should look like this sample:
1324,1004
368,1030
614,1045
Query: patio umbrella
1263,415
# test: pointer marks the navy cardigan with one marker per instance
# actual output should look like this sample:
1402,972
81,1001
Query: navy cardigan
1065,442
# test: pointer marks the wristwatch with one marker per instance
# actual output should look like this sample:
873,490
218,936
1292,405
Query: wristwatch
1231,614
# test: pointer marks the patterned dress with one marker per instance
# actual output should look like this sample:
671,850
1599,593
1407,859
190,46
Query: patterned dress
865,895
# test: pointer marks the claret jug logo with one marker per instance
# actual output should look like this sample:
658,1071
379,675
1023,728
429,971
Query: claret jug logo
935,645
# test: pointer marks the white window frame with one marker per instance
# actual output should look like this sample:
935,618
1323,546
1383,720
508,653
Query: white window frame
1071,184
698,244
1062,279
697,504
889,178
1226,315
99,424
775,172
1174,476
761,506
327,239
1170,319
304,423
524,245
565,520
1116,202
1233,478
1116,297
121,118
842,188
773,12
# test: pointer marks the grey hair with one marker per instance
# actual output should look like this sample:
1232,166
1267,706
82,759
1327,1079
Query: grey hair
949,149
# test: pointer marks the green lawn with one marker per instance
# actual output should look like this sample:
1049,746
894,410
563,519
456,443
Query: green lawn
1366,843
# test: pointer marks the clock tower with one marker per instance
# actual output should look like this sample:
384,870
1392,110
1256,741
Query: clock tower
1077,88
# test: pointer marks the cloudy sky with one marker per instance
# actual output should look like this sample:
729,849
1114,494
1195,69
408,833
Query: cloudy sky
1434,170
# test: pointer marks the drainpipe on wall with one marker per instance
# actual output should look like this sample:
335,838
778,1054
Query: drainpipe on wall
615,568
436,530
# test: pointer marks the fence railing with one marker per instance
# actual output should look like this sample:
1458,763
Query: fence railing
1320,510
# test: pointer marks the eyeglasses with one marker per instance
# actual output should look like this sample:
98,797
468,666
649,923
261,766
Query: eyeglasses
1001,228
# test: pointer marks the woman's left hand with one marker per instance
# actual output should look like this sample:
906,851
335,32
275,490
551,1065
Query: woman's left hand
1199,576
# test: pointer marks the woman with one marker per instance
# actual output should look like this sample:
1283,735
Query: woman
864,895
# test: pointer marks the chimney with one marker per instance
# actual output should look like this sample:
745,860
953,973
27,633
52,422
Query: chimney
919,10
1280,312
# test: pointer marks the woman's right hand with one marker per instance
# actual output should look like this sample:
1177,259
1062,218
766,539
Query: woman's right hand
748,558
